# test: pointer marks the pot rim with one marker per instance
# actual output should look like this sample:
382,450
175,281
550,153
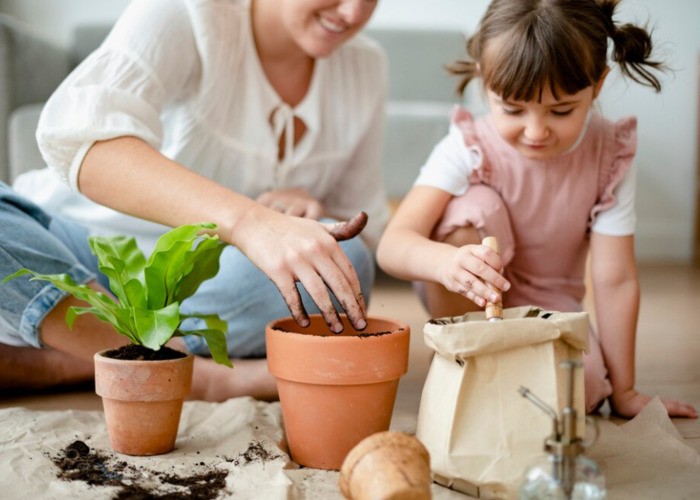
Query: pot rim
143,380
344,360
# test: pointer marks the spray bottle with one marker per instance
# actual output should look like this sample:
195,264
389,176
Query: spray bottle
564,472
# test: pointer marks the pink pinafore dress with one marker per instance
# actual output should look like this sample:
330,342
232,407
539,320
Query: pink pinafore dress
541,212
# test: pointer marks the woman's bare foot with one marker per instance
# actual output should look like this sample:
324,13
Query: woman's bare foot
30,368
214,382
249,377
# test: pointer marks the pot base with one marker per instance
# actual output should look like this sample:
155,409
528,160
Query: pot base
336,424
133,430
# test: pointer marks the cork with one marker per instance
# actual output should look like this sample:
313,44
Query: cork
386,466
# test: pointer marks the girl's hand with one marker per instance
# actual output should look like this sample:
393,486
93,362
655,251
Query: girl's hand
296,202
630,403
467,271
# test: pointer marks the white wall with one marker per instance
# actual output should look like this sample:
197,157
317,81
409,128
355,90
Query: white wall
54,19
667,121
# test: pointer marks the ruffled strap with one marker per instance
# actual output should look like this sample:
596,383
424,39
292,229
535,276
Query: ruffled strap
464,121
617,159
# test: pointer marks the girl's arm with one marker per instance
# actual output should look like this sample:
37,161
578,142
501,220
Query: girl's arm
616,296
128,175
407,252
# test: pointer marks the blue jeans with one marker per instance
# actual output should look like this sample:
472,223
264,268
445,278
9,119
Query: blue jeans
240,293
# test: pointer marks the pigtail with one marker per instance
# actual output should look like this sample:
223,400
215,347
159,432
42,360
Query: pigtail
632,48
465,68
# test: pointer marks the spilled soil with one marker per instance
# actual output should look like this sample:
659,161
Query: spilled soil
78,462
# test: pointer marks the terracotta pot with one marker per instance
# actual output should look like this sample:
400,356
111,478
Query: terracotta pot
142,401
387,465
335,389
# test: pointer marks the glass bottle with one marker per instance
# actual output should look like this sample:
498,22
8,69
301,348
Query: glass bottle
564,472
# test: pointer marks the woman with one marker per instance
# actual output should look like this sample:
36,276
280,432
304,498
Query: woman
238,112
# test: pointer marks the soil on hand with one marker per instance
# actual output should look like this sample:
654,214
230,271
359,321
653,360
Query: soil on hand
138,352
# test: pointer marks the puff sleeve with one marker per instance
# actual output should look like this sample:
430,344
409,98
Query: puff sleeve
148,60
613,214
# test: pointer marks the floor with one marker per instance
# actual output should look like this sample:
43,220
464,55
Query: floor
668,347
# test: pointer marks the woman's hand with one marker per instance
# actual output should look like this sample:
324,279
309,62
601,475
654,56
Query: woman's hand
294,249
468,270
293,201
630,403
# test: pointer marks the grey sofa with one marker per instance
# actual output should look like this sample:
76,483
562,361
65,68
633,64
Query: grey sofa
420,97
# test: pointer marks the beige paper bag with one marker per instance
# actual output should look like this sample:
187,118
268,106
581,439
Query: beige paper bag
480,432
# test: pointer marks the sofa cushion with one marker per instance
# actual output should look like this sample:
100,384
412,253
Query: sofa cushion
417,59
23,150
412,129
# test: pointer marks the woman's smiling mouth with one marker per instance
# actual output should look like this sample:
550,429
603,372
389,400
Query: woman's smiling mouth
332,26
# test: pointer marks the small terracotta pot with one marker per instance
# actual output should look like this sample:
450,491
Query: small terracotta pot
387,465
335,389
142,401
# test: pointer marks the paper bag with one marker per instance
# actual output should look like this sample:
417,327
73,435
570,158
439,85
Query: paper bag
480,432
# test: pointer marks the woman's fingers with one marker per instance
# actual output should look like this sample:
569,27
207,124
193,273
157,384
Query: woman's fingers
346,288
313,283
292,298
295,202
347,229
335,273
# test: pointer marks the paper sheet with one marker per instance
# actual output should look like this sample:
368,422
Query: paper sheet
643,458
647,458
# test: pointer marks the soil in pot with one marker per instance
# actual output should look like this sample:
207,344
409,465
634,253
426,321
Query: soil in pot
138,352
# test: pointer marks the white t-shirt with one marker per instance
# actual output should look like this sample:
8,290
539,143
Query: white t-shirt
184,76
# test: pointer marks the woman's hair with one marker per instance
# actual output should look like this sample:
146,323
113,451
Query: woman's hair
523,45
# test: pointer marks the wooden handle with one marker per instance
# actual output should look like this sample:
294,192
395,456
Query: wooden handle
493,310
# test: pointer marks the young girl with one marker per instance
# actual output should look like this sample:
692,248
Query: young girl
546,175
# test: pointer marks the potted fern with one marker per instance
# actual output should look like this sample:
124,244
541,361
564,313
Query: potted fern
143,384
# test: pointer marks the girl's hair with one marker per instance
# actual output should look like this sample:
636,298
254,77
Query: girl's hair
523,45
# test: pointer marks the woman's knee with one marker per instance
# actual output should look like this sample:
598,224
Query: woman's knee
27,241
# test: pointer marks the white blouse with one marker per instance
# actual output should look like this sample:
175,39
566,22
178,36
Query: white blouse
184,76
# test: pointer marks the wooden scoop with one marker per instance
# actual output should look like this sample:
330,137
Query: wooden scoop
494,311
